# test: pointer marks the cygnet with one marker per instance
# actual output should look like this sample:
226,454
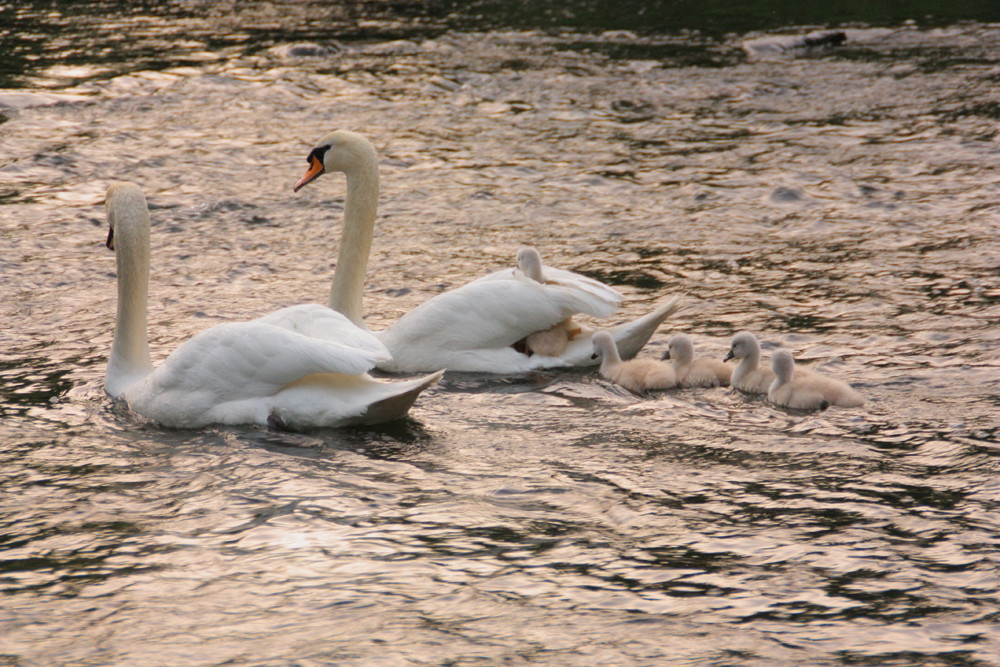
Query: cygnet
800,391
636,375
551,342
748,375
693,372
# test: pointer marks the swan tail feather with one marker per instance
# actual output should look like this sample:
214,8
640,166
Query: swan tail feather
632,336
398,404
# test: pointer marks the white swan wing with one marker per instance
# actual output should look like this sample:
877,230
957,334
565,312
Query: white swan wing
482,314
454,334
590,296
320,322
240,364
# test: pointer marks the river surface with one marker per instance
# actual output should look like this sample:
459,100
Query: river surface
842,202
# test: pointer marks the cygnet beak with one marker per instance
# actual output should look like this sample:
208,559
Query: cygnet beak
666,355
110,243
594,355
729,356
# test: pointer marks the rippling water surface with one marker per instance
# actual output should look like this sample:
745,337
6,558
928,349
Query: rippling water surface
842,203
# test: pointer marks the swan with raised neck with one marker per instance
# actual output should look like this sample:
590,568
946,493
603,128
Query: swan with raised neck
128,227
354,156
478,326
299,367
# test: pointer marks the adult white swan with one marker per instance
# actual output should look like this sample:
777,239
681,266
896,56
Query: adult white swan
299,367
479,326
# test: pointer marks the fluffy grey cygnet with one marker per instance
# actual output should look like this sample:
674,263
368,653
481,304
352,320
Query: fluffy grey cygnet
636,375
693,372
800,391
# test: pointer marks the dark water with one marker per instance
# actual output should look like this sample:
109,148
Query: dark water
840,202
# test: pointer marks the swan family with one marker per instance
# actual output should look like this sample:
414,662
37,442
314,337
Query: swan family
307,366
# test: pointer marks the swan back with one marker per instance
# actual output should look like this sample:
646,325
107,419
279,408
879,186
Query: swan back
530,264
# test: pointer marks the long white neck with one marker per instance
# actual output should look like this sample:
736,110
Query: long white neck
360,205
129,360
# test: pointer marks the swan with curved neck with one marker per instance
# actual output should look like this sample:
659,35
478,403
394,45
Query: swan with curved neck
283,370
480,326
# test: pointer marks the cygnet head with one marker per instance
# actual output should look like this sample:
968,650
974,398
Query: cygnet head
604,345
744,345
783,365
125,201
341,150
530,263
680,349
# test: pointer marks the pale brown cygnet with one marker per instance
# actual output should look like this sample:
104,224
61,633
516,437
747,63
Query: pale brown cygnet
550,342
693,372
748,375
636,375
800,391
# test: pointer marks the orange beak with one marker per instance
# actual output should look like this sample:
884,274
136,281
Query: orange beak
314,171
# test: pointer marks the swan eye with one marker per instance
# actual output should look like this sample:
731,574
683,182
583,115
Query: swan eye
317,154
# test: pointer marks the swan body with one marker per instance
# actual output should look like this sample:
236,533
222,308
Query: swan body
637,375
478,326
693,372
791,389
299,367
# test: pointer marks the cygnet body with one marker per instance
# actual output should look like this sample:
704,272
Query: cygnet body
636,375
800,391
693,372
748,375
553,341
